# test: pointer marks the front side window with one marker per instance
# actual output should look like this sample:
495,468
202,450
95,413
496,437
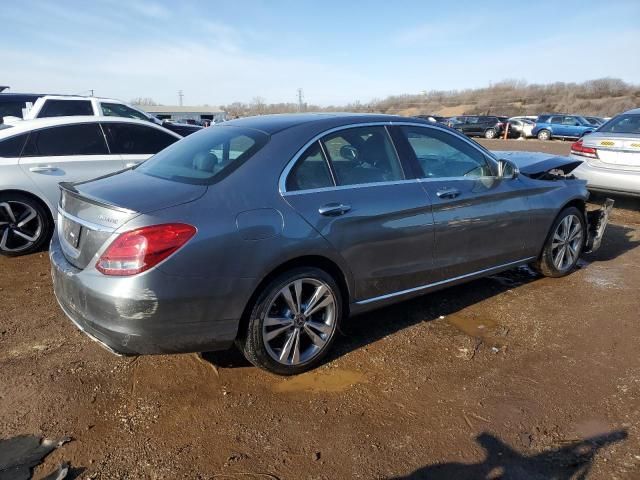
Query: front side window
311,171
119,110
362,155
204,157
626,123
442,155
12,147
128,139
65,108
81,139
571,121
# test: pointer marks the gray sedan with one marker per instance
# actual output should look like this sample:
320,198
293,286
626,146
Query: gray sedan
269,231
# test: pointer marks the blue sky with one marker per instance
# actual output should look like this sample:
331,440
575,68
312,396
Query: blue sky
337,51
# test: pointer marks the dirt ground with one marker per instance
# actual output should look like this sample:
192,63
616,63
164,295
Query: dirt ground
504,377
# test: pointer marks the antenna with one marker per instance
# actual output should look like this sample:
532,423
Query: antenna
300,100
180,95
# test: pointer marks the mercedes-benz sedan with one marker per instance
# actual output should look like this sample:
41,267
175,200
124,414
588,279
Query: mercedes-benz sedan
269,231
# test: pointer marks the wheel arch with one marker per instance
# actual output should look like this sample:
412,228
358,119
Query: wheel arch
317,261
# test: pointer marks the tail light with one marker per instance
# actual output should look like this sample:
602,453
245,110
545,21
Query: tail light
579,149
139,250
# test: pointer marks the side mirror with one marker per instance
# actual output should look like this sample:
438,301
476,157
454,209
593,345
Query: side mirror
507,169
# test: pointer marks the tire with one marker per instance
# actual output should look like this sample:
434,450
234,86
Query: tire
490,133
544,135
272,345
25,225
562,236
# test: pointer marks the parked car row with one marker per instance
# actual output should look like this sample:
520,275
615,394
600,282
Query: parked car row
543,127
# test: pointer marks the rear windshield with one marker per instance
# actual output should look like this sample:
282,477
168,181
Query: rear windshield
626,123
204,157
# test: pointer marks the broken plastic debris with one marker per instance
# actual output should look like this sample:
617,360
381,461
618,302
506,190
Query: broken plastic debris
18,455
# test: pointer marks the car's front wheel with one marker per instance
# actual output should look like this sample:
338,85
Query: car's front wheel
490,133
293,322
544,135
564,244
25,225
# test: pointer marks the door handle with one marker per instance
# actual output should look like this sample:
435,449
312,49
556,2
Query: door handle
334,209
132,164
448,193
43,169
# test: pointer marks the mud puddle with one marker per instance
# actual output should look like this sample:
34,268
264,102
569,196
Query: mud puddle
474,327
329,381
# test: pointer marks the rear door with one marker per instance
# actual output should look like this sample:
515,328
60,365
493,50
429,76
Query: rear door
481,220
351,187
68,153
135,143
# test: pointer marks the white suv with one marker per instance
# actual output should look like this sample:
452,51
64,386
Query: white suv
70,106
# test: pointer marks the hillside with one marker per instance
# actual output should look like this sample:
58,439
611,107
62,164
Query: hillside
603,97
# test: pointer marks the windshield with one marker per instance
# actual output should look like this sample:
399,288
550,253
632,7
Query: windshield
626,123
203,156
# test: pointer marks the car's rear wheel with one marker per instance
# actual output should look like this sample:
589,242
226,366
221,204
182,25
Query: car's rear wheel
25,225
293,322
564,244
544,135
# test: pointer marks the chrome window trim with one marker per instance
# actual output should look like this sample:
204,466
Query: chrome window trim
442,282
345,187
282,181
85,223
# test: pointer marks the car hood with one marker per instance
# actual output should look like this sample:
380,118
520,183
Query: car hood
137,192
536,164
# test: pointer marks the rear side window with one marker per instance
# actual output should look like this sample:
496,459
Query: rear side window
362,155
12,147
12,109
127,139
65,108
206,156
626,123
119,110
82,139
557,120
442,155
311,171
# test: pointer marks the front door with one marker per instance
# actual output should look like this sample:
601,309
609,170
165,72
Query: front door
481,221
69,153
351,187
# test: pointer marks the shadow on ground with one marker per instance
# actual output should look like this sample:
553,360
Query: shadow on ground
359,331
572,461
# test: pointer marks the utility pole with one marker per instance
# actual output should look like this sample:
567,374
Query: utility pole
180,95
300,100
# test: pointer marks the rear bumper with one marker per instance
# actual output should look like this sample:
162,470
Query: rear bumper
149,314
608,180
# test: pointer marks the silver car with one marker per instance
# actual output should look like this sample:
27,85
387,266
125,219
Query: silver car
611,155
36,155
269,231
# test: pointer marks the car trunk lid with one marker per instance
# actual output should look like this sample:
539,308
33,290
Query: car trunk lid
90,213
620,152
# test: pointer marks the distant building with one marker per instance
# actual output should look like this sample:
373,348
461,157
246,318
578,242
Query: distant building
184,113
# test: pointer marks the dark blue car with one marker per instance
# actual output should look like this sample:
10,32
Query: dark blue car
561,126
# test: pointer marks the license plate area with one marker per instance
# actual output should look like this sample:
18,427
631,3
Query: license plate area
71,232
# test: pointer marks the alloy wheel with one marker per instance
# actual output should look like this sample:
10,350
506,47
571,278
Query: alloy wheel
300,321
20,226
567,242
